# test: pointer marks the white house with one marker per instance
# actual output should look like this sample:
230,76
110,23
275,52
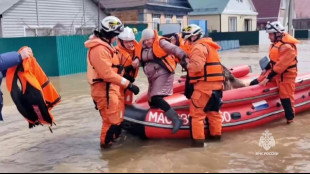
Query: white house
225,15
19,18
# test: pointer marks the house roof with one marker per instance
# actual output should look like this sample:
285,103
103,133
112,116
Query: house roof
267,10
302,9
204,7
118,4
6,4
108,4
240,7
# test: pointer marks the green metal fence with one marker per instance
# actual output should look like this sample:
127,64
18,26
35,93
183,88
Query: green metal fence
57,55
302,34
44,48
71,54
61,55
245,38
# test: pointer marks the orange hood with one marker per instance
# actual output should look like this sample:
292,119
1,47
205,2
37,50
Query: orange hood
290,39
95,41
210,42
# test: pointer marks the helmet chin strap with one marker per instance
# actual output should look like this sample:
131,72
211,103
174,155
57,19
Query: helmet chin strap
198,37
122,42
106,40
278,38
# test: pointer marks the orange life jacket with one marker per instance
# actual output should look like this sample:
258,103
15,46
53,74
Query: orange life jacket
126,59
186,46
93,76
274,52
160,56
37,96
213,69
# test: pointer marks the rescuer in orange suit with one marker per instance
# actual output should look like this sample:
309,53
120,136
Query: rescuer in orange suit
283,66
104,76
205,71
126,45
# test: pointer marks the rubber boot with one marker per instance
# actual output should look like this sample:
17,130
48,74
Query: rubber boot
105,146
176,121
215,138
254,82
118,131
198,143
119,137
288,110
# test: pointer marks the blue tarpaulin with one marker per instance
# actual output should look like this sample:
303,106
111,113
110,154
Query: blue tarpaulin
203,24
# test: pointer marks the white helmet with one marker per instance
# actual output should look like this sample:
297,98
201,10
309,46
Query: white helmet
274,27
127,34
191,30
112,24
147,34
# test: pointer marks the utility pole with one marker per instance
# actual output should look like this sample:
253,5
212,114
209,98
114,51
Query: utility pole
37,13
291,12
99,14
285,20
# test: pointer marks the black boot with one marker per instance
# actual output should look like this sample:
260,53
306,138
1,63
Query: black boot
198,143
119,137
176,121
118,131
106,146
254,82
288,109
215,138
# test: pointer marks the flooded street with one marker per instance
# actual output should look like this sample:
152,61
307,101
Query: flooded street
74,145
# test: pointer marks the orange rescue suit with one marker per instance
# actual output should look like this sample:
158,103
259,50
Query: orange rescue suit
283,55
206,73
126,57
103,66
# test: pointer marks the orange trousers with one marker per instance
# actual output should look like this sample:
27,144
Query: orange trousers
122,104
286,94
125,98
111,112
201,96
128,97
286,87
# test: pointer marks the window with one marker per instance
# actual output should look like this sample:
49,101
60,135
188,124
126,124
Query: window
168,19
39,31
156,21
232,24
248,25
156,16
84,30
180,21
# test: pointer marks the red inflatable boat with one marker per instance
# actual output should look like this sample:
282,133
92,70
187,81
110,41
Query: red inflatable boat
243,108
